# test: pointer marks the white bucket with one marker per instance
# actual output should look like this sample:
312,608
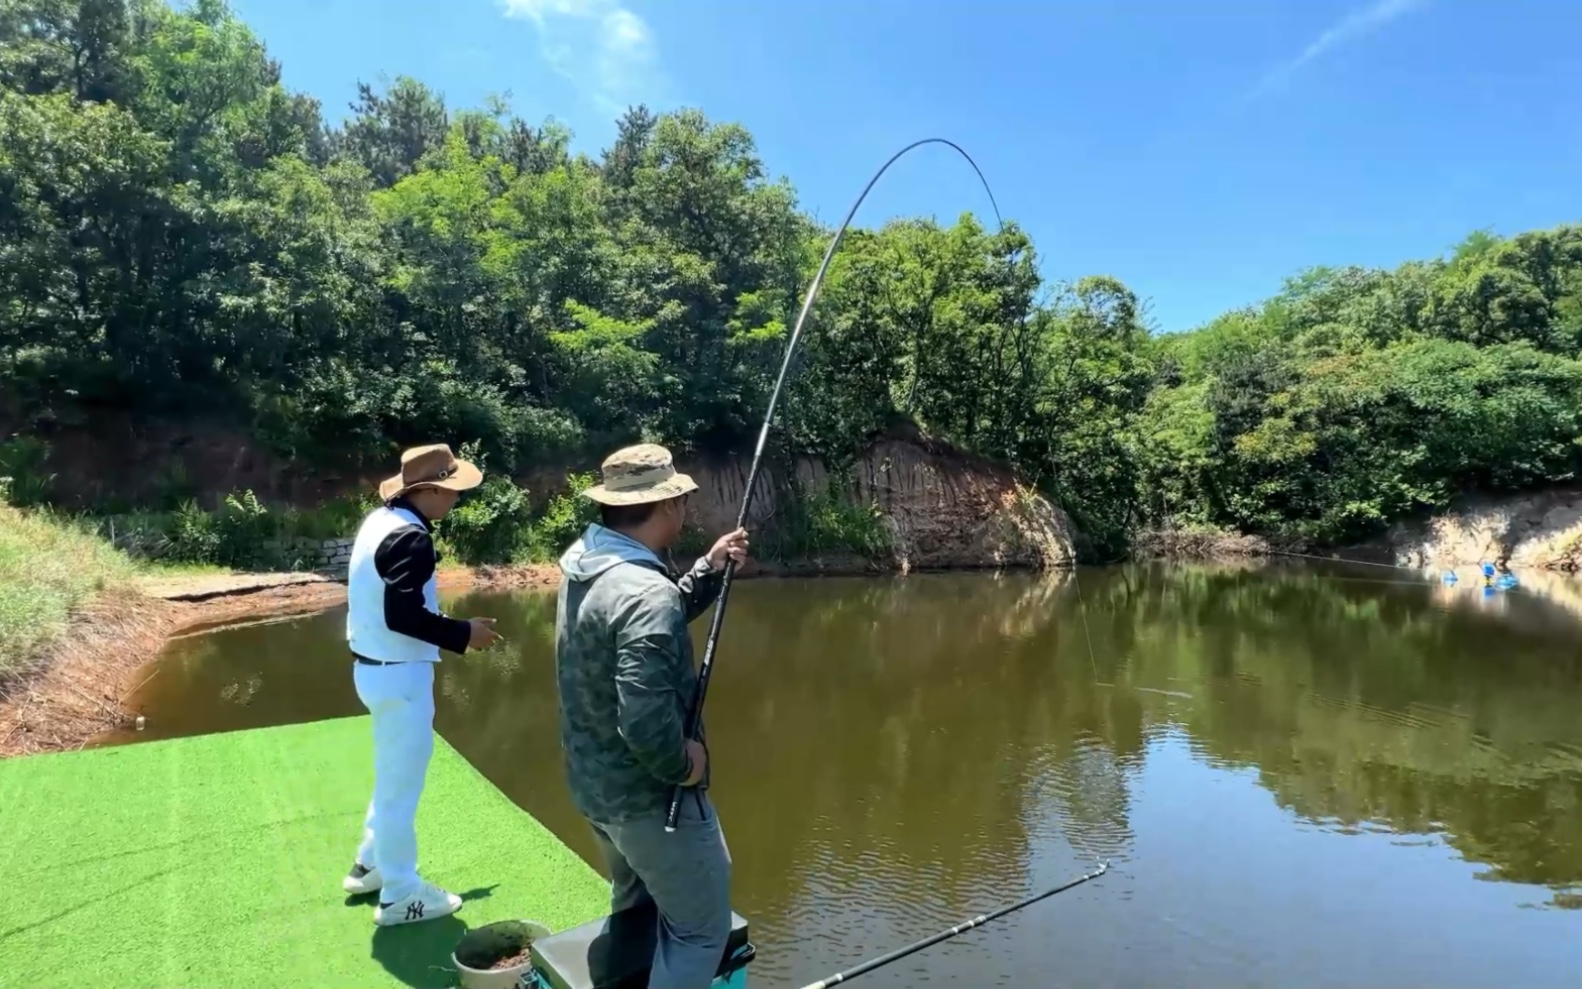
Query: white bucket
500,939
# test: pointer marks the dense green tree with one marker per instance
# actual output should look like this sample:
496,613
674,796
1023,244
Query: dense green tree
182,235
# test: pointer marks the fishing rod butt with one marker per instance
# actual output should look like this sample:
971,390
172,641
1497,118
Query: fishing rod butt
950,932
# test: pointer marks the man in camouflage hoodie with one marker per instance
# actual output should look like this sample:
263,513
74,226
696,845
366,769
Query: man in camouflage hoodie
624,663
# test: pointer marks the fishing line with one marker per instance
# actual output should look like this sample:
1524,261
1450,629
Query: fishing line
700,692
966,925
1342,559
1498,577
1082,611
1082,606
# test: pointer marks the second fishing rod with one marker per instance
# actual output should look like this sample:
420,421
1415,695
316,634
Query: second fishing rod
706,668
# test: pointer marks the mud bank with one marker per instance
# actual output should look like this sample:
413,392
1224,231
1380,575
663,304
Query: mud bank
943,510
1536,531
77,695
106,652
110,645
1197,544
1531,532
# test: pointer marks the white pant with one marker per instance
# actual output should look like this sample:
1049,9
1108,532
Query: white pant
401,699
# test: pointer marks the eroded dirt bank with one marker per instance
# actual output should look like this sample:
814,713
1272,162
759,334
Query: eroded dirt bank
943,510
1536,531
78,693
1539,531
107,651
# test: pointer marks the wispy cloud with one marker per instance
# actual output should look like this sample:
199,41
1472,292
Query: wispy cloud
1356,24
602,47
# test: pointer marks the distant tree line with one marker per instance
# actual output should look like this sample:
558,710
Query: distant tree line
180,235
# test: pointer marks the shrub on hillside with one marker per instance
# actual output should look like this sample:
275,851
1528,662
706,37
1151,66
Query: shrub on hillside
243,534
22,470
822,523
490,525
564,518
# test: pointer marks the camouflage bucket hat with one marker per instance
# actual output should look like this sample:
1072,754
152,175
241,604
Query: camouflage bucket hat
640,474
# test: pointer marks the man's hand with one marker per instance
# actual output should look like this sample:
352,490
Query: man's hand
483,634
698,759
732,545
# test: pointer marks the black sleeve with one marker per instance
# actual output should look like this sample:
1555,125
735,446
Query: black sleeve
405,562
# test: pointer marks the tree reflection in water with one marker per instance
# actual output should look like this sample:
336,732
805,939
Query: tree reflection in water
893,755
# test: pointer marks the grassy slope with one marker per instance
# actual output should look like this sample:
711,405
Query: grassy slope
216,861
47,568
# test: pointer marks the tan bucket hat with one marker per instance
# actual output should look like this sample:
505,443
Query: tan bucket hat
430,467
640,474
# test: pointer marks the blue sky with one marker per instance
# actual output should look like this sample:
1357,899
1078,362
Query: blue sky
1199,150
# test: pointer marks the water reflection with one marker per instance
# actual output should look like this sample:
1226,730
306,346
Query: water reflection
1282,763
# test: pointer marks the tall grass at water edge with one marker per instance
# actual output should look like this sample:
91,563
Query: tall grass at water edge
49,566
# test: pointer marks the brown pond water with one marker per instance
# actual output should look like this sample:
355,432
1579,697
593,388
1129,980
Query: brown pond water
1302,777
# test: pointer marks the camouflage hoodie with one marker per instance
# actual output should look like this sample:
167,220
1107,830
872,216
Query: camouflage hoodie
624,666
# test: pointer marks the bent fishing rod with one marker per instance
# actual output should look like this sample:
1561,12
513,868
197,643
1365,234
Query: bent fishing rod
695,712
966,925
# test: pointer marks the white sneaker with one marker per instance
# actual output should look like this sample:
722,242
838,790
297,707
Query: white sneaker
362,880
427,903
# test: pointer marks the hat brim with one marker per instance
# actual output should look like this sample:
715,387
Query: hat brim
673,486
466,477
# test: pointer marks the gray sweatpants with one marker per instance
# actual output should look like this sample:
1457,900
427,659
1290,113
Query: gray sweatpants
687,875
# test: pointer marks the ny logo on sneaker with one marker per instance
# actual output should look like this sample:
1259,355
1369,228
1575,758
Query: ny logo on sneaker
414,910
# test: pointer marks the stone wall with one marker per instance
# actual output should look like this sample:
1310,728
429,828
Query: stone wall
327,556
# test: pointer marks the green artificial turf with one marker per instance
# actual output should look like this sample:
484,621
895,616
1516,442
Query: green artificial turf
216,862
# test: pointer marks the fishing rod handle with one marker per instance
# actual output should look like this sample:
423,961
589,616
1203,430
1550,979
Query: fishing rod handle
695,710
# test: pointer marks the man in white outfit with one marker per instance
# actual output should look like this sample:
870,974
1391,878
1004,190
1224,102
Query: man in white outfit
395,631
